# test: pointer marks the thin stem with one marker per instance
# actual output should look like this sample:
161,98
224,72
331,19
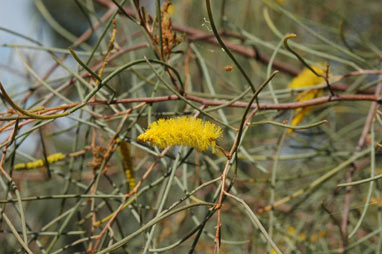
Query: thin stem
26,112
149,224
256,222
325,77
226,50
262,86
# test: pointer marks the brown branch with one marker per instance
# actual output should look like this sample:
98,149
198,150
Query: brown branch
96,67
242,104
196,34
293,105
209,102
349,173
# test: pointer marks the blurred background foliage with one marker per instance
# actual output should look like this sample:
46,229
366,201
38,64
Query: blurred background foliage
287,177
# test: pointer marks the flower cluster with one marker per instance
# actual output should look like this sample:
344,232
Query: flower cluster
124,150
40,163
305,79
186,131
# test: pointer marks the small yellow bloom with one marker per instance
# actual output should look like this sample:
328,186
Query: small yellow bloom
305,79
40,163
186,131
301,236
56,157
291,230
171,10
124,150
315,237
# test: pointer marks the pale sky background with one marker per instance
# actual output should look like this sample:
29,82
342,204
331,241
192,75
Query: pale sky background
15,15
22,17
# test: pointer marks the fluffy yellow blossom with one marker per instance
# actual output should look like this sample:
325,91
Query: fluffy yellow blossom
186,131
305,79
40,163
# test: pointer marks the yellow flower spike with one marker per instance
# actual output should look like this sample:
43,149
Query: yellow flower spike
124,150
35,164
20,166
182,131
305,79
56,157
40,163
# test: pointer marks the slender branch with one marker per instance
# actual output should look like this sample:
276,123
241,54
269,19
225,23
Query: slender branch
226,49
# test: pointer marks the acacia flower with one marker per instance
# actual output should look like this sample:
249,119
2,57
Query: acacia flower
186,131
40,163
124,150
305,79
